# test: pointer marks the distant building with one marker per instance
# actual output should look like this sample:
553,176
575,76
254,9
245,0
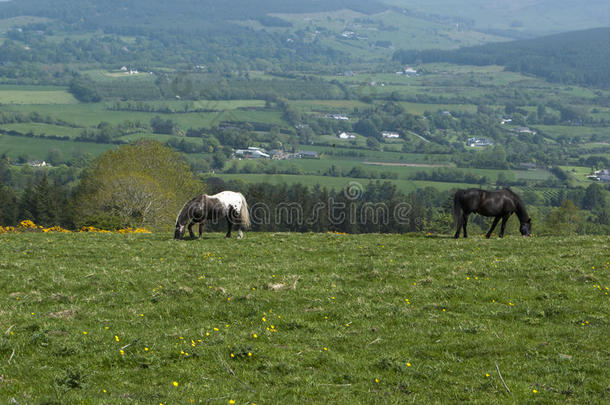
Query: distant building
478,142
278,154
252,153
346,135
601,175
38,163
525,130
307,154
410,71
527,166
407,71
506,121
390,134
340,117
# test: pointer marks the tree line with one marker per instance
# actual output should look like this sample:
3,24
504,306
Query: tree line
146,184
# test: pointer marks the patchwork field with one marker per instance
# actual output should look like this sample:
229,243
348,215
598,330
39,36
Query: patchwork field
35,96
285,318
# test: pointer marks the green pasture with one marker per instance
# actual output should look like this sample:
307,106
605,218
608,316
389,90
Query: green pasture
31,96
39,148
378,156
404,171
573,131
578,173
329,106
91,114
293,318
38,128
535,174
212,105
336,183
157,137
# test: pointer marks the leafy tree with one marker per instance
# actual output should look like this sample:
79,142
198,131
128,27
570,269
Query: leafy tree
142,184
565,219
83,90
594,197
161,126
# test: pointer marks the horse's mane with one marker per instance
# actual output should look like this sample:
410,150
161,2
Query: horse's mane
515,196
521,211
186,207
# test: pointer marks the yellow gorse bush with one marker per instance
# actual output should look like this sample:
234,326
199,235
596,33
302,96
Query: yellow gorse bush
29,226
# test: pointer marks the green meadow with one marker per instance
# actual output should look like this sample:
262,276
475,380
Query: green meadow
38,148
336,183
25,96
293,318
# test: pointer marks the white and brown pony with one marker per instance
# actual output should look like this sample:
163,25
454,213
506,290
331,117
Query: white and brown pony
226,204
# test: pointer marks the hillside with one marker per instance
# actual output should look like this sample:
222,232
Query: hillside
514,18
285,318
238,34
577,57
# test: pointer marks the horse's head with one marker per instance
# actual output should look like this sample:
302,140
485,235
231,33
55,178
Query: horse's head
526,227
180,227
179,231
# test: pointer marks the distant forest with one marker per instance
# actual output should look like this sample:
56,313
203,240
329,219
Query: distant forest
580,57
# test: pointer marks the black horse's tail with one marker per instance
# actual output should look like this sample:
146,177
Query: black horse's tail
458,212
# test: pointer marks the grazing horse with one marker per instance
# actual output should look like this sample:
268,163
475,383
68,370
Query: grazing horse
226,204
499,203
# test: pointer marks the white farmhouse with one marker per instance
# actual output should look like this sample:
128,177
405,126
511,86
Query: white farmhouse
390,134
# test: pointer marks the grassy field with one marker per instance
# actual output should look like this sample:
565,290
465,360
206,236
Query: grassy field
92,114
336,183
293,318
38,148
36,97
39,128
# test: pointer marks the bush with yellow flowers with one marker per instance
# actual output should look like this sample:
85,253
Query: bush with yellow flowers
29,226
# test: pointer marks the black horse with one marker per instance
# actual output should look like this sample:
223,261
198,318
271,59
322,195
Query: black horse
499,203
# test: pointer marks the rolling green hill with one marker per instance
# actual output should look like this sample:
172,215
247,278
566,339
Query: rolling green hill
575,57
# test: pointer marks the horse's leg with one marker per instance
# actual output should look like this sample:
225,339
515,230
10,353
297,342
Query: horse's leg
465,223
459,227
192,235
493,226
240,234
503,226
200,229
230,225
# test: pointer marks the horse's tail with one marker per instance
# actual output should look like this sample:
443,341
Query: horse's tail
245,213
458,212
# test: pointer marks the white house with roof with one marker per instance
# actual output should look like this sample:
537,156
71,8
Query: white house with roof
306,154
346,135
479,142
390,134
601,175
252,153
